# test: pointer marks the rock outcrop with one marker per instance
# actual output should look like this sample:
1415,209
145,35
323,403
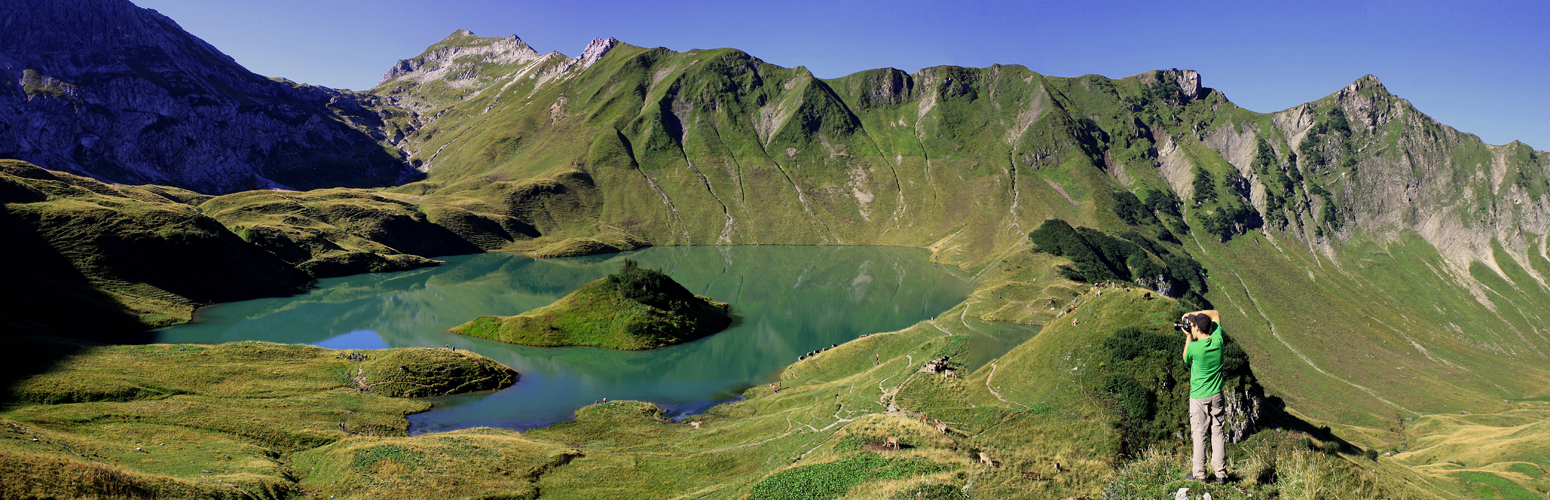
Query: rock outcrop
1189,83
123,94
595,50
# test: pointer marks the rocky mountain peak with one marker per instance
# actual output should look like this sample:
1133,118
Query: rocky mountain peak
1365,82
454,57
596,49
1189,83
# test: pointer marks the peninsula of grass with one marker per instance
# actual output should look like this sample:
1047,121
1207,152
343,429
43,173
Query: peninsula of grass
633,309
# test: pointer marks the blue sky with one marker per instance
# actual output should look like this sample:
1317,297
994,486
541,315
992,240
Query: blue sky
1481,66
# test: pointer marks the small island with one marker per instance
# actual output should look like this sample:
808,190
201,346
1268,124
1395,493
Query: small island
634,309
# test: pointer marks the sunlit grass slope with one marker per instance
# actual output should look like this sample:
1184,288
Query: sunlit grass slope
182,421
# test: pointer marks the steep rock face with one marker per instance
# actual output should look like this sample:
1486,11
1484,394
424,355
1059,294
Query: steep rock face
1389,168
123,94
596,49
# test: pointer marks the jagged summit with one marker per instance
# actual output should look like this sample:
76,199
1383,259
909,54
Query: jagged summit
458,55
596,49
1367,82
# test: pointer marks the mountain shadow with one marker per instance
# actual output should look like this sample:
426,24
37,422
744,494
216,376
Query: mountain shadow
123,94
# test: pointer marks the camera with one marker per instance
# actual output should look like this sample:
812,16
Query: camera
1182,325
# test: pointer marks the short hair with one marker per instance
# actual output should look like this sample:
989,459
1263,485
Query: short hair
1201,321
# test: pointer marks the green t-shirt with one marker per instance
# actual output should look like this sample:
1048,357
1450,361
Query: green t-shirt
1205,365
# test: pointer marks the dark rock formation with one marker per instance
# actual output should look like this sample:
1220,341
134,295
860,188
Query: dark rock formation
123,94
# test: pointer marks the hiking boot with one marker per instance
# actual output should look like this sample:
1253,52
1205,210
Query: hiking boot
1205,479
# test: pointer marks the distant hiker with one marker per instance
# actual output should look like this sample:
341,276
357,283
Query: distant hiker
1203,354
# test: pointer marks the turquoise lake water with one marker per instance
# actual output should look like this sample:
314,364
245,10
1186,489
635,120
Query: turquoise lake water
788,300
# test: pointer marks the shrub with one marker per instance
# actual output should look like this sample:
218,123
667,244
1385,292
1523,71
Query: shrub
1205,187
1131,342
1136,401
1130,209
1163,202
1372,454
650,287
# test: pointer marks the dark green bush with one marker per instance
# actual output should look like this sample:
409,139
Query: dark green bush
1130,209
1131,342
1135,400
1205,187
1162,201
650,287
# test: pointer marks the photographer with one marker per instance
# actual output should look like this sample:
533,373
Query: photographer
1203,353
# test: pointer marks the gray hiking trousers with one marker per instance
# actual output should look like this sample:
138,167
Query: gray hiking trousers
1205,415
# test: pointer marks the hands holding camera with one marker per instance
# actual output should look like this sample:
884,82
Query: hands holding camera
1193,328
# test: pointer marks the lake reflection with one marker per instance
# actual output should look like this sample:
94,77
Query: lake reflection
790,300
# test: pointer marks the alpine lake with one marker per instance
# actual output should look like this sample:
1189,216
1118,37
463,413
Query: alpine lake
786,301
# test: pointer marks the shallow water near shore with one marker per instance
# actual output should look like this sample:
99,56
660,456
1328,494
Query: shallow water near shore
788,299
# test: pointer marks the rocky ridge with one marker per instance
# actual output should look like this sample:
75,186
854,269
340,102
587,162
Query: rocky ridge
123,94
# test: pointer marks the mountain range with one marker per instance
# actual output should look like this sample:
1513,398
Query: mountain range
1375,264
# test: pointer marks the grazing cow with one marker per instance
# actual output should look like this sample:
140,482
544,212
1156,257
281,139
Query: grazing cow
950,373
1032,476
941,426
985,459
893,443
695,423
1057,467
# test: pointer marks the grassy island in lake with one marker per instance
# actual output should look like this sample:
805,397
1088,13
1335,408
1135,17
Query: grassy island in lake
634,309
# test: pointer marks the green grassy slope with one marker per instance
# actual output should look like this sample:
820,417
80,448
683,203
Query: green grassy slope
172,421
96,260
336,232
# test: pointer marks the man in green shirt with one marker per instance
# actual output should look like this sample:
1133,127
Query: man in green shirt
1203,353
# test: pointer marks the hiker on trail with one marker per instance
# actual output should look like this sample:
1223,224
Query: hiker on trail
1203,354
